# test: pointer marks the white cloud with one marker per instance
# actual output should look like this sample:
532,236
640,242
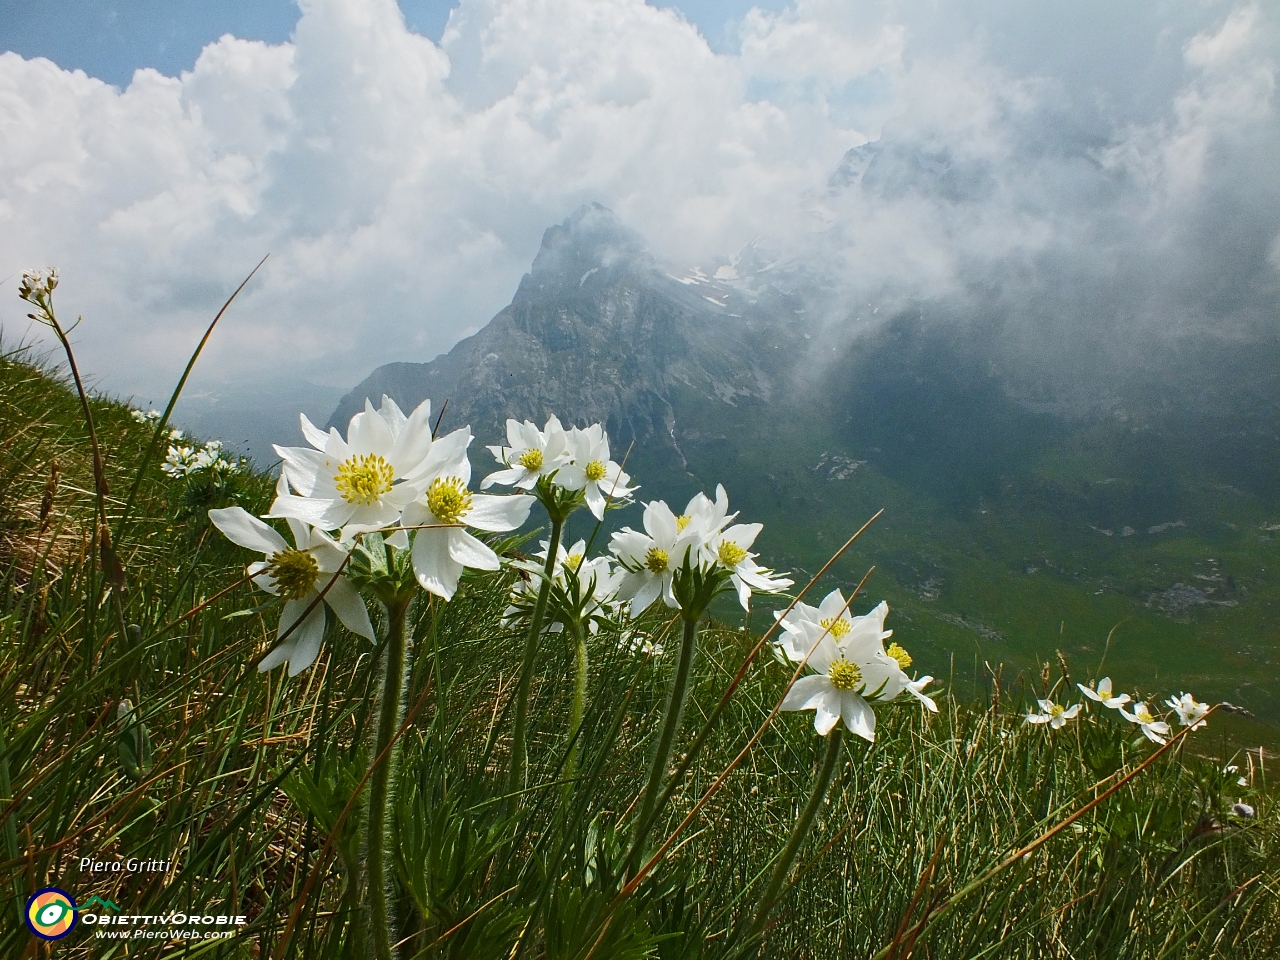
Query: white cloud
401,187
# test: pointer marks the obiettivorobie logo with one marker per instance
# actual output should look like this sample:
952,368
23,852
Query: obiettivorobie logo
51,913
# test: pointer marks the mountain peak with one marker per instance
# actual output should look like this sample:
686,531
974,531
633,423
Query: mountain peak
591,240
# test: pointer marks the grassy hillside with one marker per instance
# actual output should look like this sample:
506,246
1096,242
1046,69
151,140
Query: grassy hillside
243,779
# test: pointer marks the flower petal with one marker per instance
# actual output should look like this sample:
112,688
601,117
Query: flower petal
244,529
436,571
498,514
344,600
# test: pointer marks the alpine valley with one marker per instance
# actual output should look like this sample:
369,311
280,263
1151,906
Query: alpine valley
1125,507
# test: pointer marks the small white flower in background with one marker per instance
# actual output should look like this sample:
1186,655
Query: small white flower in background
1190,711
1242,810
150,416
1232,768
1153,729
851,666
1103,694
532,454
363,482
730,549
297,574
591,471
1054,714
441,552
641,645
179,462
37,284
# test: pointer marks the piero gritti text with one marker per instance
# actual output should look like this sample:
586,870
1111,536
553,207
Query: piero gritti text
129,865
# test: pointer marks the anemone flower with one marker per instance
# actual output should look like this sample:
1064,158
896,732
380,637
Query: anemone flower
652,557
1153,729
1054,714
591,471
730,549
360,483
298,575
1103,694
1189,710
531,454
445,508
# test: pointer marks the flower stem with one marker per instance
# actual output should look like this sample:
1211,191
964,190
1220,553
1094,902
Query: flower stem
799,832
514,780
579,702
662,754
390,708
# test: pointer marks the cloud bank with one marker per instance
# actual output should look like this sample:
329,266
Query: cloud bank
1073,163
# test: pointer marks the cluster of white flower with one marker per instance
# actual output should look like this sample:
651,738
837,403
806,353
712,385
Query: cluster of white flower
850,663
151,417
697,543
388,475
672,558
183,461
1190,712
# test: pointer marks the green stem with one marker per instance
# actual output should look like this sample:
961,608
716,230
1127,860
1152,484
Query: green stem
516,777
799,832
390,709
662,754
579,702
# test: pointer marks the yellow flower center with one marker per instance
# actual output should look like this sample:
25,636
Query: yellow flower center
837,627
595,471
573,561
362,480
656,559
1057,710
899,654
293,573
1143,714
531,460
844,674
730,554
448,499
682,521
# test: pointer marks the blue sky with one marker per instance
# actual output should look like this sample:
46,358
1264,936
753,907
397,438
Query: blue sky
109,40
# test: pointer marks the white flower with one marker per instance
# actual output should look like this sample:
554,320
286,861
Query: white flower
849,668
1054,714
803,625
1153,729
641,645
178,461
591,471
1103,694
149,417
1232,768
38,283
1190,711
440,553
651,558
532,454
729,548
298,574
361,483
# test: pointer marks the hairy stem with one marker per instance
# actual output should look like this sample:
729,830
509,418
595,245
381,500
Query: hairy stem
671,717
390,708
579,701
516,777
782,869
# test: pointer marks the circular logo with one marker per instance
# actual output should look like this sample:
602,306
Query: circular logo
51,913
